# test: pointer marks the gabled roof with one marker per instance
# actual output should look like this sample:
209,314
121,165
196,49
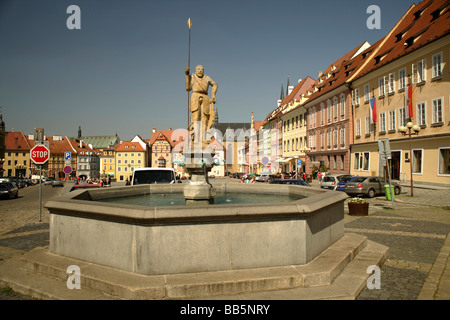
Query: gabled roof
338,72
100,142
420,25
162,135
16,141
129,147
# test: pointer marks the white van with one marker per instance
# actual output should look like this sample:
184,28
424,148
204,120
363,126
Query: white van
153,175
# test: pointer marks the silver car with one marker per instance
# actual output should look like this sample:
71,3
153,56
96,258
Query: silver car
330,182
370,186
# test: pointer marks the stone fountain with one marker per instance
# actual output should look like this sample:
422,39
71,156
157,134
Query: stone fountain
199,249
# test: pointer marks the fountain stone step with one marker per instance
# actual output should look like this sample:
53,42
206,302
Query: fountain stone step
102,282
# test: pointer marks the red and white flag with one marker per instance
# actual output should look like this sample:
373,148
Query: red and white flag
373,110
409,102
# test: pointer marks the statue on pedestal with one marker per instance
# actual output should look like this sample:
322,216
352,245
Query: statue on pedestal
200,105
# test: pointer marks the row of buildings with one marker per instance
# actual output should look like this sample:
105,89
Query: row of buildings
373,92
397,86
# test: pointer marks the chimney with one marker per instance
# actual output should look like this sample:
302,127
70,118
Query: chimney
290,89
253,126
154,130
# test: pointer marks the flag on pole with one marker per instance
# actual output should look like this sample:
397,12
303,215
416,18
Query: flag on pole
189,23
373,110
408,101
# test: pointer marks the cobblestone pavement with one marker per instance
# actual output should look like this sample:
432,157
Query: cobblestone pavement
415,231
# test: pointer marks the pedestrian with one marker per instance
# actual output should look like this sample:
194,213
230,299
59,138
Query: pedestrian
253,179
127,183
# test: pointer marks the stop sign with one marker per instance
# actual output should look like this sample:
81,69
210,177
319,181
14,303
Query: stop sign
39,154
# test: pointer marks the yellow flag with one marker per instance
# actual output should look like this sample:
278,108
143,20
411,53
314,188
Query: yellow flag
189,23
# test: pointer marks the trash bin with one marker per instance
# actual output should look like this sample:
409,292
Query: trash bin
390,194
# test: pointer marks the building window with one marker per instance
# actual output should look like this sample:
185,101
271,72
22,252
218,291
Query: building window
362,160
355,97
343,137
335,108
334,162
322,140
382,122
437,111
342,106
402,116
358,127
382,86
421,114
367,93
417,160
322,113
444,161
329,111
342,162
367,132
419,72
437,65
391,85
402,79
329,138
296,122
392,122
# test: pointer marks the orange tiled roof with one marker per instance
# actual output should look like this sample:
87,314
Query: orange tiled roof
421,25
128,146
336,74
16,141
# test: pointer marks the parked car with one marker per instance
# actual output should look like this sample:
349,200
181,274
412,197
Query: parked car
85,186
342,182
48,181
330,181
58,183
298,182
9,189
263,178
370,186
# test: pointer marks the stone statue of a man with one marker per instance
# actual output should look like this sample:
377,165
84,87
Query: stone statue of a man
201,106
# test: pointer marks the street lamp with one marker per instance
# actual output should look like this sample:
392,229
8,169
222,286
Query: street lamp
407,131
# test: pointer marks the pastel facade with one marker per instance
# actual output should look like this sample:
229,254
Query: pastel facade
416,52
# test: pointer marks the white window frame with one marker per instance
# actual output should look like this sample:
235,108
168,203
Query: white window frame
419,72
382,86
322,113
366,93
402,79
342,136
367,132
402,117
392,120
391,83
437,114
439,162
342,105
421,161
358,127
355,97
437,68
382,122
329,106
335,108
421,111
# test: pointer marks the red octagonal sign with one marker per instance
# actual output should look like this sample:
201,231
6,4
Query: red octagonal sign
39,154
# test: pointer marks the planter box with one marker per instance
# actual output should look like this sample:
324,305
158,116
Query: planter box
358,209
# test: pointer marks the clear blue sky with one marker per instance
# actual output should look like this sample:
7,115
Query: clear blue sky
123,72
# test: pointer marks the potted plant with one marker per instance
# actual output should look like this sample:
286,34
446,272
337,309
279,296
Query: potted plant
358,207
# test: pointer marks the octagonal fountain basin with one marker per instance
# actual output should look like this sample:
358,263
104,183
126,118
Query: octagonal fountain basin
283,225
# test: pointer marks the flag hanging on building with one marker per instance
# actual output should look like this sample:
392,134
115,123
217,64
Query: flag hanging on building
373,110
408,102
